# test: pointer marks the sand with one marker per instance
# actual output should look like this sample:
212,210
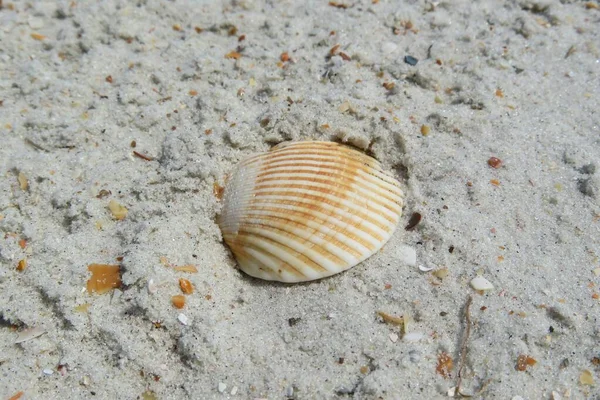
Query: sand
198,86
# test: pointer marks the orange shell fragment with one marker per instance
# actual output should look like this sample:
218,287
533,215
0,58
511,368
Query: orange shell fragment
104,278
186,286
178,301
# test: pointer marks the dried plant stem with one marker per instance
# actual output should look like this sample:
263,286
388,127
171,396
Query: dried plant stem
463,346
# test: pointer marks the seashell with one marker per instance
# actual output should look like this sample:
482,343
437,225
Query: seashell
480,283
308,210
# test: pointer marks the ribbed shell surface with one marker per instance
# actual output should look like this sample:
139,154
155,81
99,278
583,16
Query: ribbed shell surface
308,210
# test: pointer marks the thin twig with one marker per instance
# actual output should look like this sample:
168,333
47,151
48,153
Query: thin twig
142,156
463,345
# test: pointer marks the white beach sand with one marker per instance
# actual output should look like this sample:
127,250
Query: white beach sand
517,80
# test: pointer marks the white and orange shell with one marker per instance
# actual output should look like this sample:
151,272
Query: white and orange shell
308,210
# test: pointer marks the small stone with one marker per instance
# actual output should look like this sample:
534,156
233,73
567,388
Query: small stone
586,377
480,283
48,371
222,387
393,337
494,162
152,287
234,391
183,319
35,22
86,380
410,60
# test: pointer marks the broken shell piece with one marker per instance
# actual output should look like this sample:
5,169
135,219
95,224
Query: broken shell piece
423,268
183,319
29,334
480,283
308,210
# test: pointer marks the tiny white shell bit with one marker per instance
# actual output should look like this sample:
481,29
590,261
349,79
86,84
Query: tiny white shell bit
308,210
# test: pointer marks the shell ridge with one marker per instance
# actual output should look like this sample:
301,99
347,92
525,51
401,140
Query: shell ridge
348,195
329,181
299,246
323,219
286,258
329,203
334,255
345,220
369,183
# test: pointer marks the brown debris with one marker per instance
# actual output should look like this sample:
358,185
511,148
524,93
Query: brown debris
104,278
414,220
177,28
444,365
338,5
118,211
23,181
192,93
494,162
233,54
103,193
391,319
524,361
284,57
388,85
425,130
17,395
178,301
198,29
186,268
345,56
37,36
142,156
218,191
463,346
22,265
334,50
186,286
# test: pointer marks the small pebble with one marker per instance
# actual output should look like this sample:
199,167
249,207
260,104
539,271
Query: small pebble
234,391
494,162
151,286
480,283
393,337
35,22
410,60
222,387
183,319
289,391
48,371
